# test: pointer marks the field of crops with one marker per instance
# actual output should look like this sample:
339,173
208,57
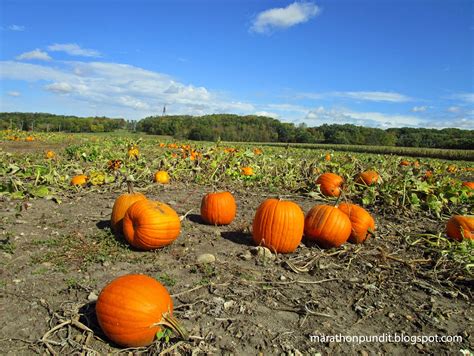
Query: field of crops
59,251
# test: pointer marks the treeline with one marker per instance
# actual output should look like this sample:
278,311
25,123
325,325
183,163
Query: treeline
49,122
250,128
237,128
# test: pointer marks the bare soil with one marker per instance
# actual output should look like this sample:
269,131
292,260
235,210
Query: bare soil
56,258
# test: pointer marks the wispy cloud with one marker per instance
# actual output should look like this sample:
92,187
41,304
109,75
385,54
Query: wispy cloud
466,97
74,49
14,93
35,54
376,96
284,17
321,115
419,108
16,28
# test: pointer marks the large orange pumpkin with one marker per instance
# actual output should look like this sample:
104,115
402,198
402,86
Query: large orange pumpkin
131,309
363,225
278,225
328,226
368,178
460,227
150,224
330,184
218,208
121,205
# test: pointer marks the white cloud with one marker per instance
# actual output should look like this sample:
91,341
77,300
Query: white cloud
16,28
111,86
14,93
419,108
454,109
284,17
267,114
35,54
376,96
321,115
74,49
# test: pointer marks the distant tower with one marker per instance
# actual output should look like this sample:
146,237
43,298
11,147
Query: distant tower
164,110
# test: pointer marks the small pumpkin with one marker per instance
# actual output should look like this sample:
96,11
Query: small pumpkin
133,308
278,225
50,154
218,208
247,171
405,163
362,223
150,224
133,152
368,178
327,158
121,205
460,227
330,184
162,177
469,185
327,225
80,179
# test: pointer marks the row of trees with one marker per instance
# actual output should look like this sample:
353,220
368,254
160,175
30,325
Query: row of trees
264,129
49,122
228,127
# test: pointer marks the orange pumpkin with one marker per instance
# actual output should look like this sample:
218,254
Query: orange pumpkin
79,179
460,227
218,208
247,171
362,223
368,178
121,205
327,158
162,177
328,226
330,184
405,163
278,225
469,185
50,154
150,224
131,309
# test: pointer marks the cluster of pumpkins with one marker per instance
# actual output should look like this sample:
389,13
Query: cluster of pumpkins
278,225
132,309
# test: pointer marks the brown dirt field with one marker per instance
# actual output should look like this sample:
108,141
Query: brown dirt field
57,257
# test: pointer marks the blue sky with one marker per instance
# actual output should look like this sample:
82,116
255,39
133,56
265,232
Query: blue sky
378,63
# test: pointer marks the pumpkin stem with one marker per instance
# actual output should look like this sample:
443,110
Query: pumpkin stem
370,232
130,187
172,323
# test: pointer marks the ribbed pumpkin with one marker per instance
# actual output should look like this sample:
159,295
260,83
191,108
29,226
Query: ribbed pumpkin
460,227
327,226
368,178
218,208
162,177
278,225
131,309
330,184
363,225
79,179
150,224
121,205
